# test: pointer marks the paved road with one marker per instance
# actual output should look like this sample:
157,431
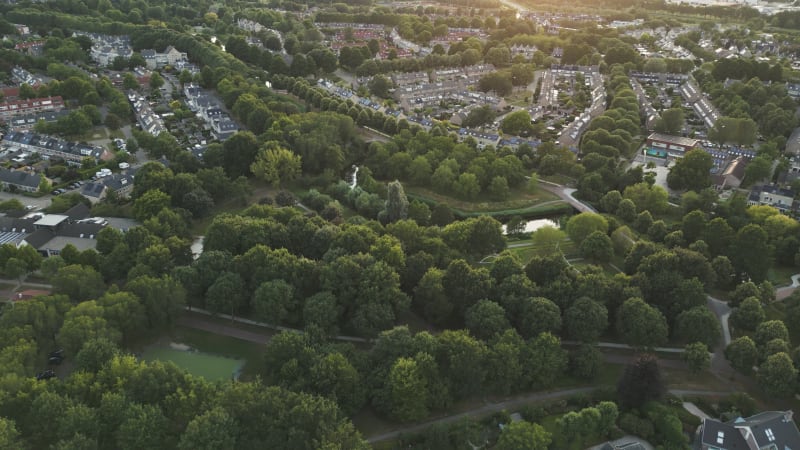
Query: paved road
511,404
224,330
566,194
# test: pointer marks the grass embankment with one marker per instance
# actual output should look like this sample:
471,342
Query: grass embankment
539,203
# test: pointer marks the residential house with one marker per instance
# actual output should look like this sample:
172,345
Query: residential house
770,430
20,180
119,183
732,176
775,196
155,60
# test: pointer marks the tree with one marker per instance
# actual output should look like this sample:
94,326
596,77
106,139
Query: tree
547,239
640,324
758,169
742,354
407,391
586,320
538,315
150,204
78,282
276,165
396,202
226,294
156,81
582,225
273,301
692,171
95,354
698,324
671,121
379,86
597,247
517,123
626,210
523,435
212,430
144,427
696,356
769,330
778,376
485,319
585,362
748,315
640,382
751,253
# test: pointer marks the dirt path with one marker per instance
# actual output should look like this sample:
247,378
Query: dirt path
224,330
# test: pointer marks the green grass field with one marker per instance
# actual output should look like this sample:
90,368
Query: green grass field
208,366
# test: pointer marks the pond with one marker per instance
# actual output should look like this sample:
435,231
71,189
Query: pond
206,365
533,225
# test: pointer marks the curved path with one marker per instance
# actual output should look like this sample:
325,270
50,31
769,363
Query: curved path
565,193
516,402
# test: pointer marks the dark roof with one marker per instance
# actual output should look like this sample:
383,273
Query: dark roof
772,428
20,178
768,428
82,230
16,224
39,237
77,212
93,190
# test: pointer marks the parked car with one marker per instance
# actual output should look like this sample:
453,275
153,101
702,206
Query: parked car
46,375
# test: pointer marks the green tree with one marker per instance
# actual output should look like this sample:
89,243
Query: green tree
597,247
586,320
214,429
698,324
742,354
156,81
640,324
547,240
150,204
523,435
78,282
379,86
485,319
582,225
692,171
276,165
538,315
778,376
396,202
408,391
274,302
517,123
696,356
585,362
671,121
748,315
769,330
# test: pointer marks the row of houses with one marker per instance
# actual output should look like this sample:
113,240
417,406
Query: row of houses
700,103
145,116
52,147
14,108
169,57
208,108
22,76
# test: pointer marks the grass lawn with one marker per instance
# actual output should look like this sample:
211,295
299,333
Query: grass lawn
519,202
525,253
208,366
220,357
781,275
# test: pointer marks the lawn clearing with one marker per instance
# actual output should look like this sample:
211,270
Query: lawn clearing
208,366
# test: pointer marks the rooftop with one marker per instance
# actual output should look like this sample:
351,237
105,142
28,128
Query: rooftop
678,140
50,220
